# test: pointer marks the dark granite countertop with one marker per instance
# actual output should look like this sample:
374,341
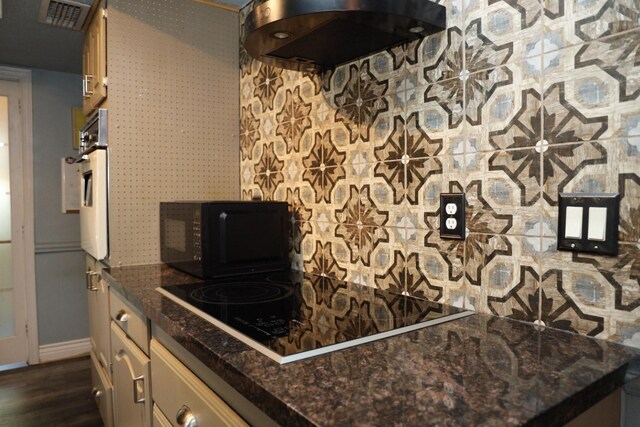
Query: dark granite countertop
476,370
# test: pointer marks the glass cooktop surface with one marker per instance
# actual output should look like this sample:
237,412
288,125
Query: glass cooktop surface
290,316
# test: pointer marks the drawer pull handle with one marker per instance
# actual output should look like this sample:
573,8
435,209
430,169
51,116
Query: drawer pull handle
96,393
136,380
89,279
185,417
122,316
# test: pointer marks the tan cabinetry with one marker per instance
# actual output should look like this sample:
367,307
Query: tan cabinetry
98,300
183,397
102,391
94,62
131,388
132,402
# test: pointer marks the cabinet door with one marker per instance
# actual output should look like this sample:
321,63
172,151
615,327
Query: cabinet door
102,391
131,388
95,62
182,396
98,301
86,70
99,58
159,419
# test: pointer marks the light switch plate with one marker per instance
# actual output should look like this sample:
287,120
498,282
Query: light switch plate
452,216
594,224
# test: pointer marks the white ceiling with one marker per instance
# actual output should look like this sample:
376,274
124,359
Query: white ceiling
25,42
28,43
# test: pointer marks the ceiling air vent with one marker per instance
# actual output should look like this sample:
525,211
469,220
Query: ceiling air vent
63,14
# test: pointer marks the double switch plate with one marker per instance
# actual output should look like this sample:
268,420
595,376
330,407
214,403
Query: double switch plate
589,222
452,216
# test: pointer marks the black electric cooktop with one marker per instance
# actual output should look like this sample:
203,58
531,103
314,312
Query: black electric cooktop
290,316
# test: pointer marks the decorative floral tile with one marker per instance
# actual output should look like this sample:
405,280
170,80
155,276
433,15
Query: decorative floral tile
503,192
382,189
440,104
386,66
267,81
362,152
268,172
377,257
502,275
436,57
497,32
428,126
593,295
503,106
573,22
435,267
322,262
591,91
249,132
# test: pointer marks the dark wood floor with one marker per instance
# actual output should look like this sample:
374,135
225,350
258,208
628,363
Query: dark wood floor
52,394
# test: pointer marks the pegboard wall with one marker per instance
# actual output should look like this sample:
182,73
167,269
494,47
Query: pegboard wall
173,115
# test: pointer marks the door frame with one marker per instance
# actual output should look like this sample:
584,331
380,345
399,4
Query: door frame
28,274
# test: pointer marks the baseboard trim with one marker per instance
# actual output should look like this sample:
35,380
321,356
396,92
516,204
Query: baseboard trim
64,350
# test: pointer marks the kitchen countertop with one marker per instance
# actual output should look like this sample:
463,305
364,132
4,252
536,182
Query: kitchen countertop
479,369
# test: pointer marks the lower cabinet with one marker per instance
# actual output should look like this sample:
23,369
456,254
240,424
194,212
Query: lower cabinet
183,397
131,389
159,420
102,391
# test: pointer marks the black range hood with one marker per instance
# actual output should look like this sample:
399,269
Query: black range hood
313,35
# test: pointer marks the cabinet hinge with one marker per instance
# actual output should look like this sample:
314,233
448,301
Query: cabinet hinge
26,328
104,14
105,81
19,106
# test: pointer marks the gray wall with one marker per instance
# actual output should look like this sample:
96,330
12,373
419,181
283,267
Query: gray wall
61,298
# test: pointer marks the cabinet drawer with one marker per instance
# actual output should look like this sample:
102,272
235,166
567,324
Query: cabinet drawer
159,420
102,391
132,322
131,388
178,391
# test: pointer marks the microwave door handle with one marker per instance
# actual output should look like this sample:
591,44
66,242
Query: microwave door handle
223,237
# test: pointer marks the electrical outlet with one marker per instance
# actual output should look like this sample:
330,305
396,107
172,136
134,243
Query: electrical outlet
451,209
452,216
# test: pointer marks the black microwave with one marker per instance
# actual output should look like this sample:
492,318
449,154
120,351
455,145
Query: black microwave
216,239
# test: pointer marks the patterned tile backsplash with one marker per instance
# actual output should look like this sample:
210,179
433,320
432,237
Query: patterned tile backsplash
514,103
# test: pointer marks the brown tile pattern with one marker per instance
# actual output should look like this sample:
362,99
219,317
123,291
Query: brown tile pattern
514,103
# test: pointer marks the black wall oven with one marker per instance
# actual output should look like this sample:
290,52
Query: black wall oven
218,238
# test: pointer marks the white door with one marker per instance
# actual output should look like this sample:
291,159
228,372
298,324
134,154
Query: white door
13,303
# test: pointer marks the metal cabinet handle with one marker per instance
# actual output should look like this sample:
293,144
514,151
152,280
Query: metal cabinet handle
185,418
96,393
89,279
85,89
122,316
136,380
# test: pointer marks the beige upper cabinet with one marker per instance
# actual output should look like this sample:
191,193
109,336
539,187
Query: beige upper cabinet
94,62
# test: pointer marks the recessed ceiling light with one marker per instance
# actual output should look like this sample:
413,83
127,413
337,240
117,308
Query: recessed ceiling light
281,35
417,29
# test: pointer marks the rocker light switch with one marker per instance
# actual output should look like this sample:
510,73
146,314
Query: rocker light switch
589,222
597,224
573,228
